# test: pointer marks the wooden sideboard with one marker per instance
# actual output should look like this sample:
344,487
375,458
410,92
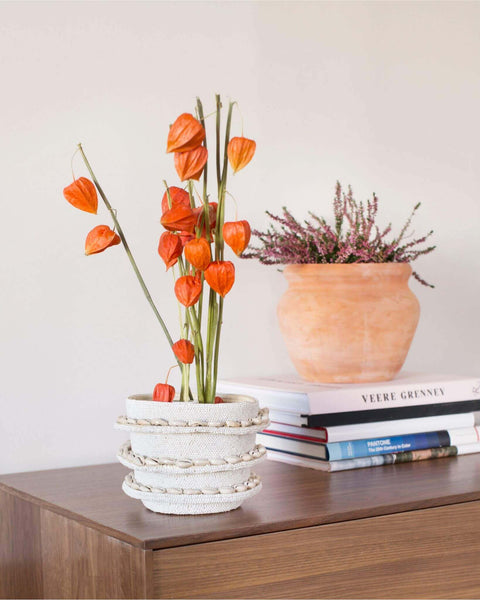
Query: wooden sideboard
402,531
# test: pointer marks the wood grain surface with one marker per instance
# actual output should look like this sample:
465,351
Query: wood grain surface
433,553
46,555
79,562
20,548
292,497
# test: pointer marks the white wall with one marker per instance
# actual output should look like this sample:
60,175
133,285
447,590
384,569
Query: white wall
382,95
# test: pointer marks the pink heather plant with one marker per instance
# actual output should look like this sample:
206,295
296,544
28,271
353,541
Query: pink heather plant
355,238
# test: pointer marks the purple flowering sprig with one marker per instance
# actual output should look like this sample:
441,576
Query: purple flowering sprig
355,238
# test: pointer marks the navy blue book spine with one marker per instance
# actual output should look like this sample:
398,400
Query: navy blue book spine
387,445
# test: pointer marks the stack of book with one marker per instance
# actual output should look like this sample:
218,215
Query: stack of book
331,427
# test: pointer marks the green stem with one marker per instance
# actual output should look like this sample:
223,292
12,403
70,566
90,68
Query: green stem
205,171
212,317
201,351
192,319
212,302
200,305
193,322
222,188
217,344
195,325
206,211
185,383
218,103
219,244
191,194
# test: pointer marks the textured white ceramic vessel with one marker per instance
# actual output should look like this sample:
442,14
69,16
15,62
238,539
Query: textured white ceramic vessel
191,458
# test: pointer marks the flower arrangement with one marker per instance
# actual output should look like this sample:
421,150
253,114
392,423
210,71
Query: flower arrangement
192,245
355,237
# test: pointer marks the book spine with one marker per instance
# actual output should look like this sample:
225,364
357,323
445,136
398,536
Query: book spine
292,436
390,414
296,420
394,395
400,457
389,445
298,461
346,433
468,448
461,426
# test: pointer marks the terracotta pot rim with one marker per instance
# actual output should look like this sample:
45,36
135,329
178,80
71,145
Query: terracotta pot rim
371,265
349,269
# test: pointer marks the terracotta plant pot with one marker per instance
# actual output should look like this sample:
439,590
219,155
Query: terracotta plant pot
190,458
348,323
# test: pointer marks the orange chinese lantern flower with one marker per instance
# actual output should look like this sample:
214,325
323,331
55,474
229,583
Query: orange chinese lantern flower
237,235
178,196
185,237
99,239
188,289
163,392
212,213
184,351
170,247
179,218
82,194
240,152
220,276
189,165
185,134
198,253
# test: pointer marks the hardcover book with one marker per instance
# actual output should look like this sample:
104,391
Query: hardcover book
409,395
374,461
392,414
312,448
342,433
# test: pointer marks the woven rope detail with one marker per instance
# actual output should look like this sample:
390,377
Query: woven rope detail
127,453
261,418
252,482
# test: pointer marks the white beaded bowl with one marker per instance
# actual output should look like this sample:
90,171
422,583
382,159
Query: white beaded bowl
191,458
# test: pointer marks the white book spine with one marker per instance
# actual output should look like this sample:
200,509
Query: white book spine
342,433
287,418
297,461
393,394
408,389
468,448
466,435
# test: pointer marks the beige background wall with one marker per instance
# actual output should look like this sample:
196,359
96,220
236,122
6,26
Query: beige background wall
382,95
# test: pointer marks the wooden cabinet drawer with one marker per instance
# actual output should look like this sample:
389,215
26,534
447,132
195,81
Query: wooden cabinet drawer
418,554
406,531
